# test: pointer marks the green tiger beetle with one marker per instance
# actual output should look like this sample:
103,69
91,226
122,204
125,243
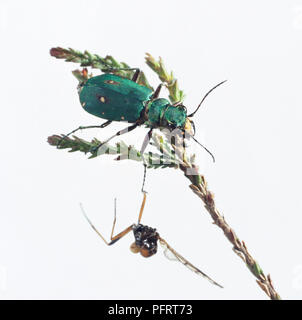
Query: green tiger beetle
146,239
115,98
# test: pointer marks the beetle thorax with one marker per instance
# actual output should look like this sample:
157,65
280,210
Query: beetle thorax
160,113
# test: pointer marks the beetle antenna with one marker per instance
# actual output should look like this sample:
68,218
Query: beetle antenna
217,85
206,149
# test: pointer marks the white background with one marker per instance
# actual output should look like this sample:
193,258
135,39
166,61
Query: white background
252,124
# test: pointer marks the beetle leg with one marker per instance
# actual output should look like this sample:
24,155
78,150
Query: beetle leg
113,239
146,141
128,129
105,124
156,93
177,103
136,75
143,148
120,69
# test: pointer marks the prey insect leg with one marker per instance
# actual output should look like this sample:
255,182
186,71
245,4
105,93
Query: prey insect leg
112,238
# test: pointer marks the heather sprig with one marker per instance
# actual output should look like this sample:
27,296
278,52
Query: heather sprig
168,154
107,64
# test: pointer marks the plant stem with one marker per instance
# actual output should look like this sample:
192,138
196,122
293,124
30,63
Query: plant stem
87,59
174,151
199,187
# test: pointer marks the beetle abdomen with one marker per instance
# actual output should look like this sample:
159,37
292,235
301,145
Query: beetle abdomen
114,98
155,110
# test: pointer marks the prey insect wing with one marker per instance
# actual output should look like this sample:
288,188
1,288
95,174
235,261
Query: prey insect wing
171,254
146,239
